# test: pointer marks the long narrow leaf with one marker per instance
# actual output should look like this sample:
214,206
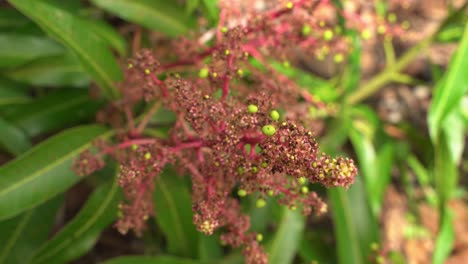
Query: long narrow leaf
151,260
44,171
77,237
285,243
74,34
164,16
21,235
174,214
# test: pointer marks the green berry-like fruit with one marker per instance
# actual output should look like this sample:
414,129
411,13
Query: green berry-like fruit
260,203
306,29
242,193
338,57
274,115
259,237
302,180
147,156
252,108
204,73
328,35
268,130
304,189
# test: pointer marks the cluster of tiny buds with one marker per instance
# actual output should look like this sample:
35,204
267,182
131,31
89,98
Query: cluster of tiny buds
232,132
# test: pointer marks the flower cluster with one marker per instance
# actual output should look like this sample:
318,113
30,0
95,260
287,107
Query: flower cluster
230,133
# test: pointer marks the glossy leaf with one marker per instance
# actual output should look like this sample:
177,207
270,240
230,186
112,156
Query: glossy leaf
355,227
56,71
450,90
445,239
17,49
211,7
285,243
80,235
12,93
173,207
209,247
23,234
13,139
151,260
44,171
375,167
164,16
70,30
110,35
55,111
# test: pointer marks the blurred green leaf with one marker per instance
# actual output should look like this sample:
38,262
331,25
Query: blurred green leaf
11,18
445,239
209,247
23,234
320,88
12,92
151,260
44,171
13,139
313,247
352,74
164,16
285,243
80,235
55,111
56,71
109,34
74,34
450,90
191,6
355,226
16,49
211,7
173,208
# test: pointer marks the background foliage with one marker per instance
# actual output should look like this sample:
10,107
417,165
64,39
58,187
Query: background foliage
52,51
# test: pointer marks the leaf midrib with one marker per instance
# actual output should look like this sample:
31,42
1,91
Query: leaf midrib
178,226
63,35
141,6
85,226
44,169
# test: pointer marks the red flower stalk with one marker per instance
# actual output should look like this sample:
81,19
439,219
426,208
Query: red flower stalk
235,140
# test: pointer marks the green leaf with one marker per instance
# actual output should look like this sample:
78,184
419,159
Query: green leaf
191,6
211,7
44,171
109,34
55,111
151,260
352,75
450,90
12,93
209,247
375,167
285,243
173,207
13,139
11,18
355,227
23,234
70,30
16,49
164,16
56,71
80,235
445,239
